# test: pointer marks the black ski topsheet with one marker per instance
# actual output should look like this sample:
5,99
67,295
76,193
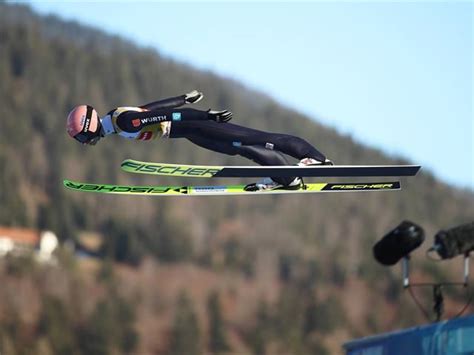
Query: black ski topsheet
207,171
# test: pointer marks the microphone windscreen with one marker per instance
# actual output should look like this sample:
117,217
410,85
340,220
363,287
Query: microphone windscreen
398,243
455,241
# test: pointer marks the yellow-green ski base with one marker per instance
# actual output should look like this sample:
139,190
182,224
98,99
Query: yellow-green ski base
227,189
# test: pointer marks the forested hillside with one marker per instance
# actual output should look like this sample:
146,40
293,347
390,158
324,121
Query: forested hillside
185,275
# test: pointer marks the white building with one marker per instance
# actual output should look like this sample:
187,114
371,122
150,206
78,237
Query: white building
18,241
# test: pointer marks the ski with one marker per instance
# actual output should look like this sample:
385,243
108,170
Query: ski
228,189
208,171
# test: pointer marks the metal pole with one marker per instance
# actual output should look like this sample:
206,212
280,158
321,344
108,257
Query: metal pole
466,269
406,271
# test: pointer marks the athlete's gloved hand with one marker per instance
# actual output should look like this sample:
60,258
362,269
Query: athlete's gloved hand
193,97
220,116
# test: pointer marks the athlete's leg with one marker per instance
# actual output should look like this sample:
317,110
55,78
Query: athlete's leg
261,147
258,154
234,135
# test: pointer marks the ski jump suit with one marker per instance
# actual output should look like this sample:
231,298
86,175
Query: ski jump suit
164,119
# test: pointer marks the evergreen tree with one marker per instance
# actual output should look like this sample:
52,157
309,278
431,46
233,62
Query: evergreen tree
7,347
55,323
185,334
110,327
217,338
94,336
289,320
261,333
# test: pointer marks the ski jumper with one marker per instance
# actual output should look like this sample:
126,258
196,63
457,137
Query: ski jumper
164,119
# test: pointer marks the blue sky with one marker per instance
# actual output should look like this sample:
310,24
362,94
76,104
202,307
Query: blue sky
395,75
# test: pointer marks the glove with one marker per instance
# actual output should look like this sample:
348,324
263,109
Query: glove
220,116
193,97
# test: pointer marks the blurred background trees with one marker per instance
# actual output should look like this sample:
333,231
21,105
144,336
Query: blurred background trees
262,275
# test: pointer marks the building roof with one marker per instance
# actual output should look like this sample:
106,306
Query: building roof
21,235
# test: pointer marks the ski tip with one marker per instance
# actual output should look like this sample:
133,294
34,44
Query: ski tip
68,184
129,162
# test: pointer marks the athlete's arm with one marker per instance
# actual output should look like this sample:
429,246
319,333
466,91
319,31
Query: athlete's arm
172,102
134,121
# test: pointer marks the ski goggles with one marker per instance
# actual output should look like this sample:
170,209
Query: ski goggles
88,137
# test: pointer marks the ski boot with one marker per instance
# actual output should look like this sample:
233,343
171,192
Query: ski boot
312,162
269,184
